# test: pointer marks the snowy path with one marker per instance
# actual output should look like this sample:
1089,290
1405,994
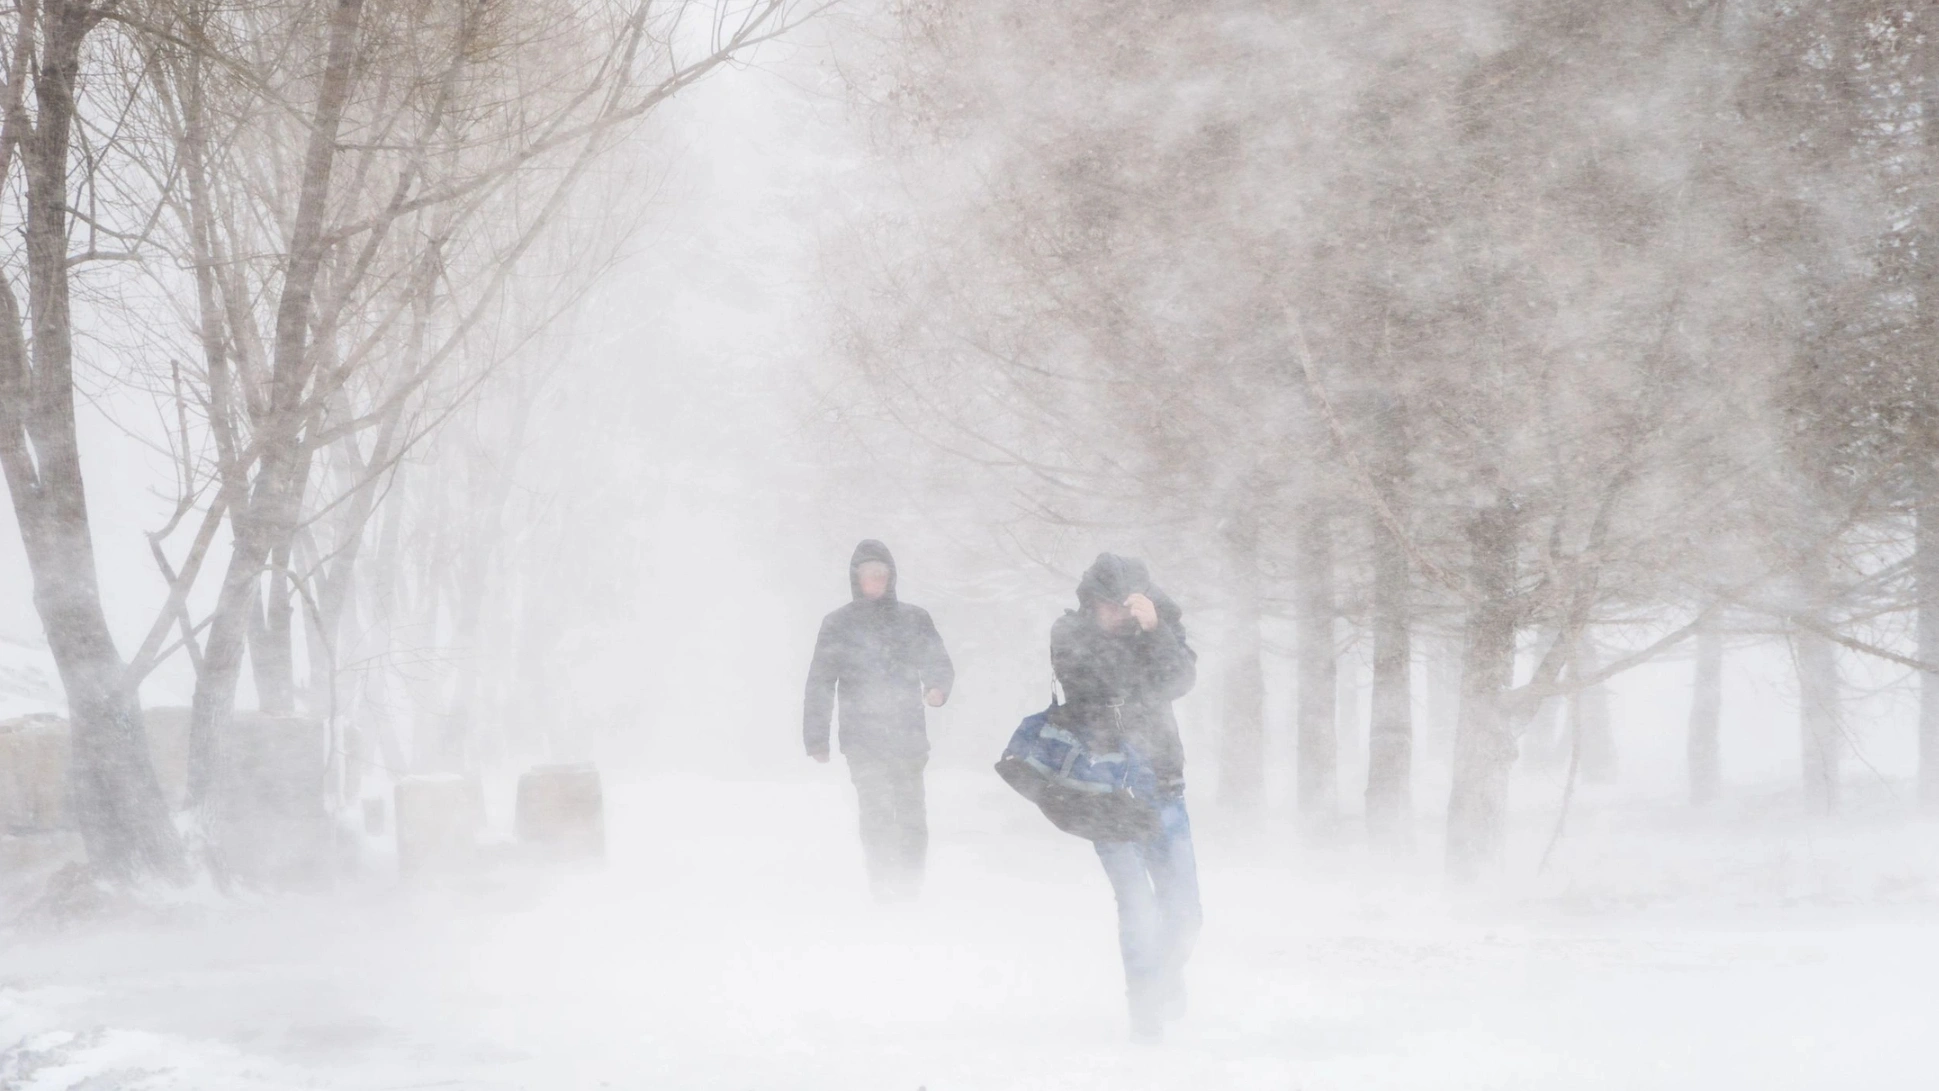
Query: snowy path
729,944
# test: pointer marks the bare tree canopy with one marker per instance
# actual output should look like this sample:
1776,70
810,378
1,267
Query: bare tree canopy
850,543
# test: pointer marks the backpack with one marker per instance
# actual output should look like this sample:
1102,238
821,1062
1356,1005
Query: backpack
1108,796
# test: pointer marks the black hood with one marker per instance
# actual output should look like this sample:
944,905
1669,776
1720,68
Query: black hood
1112,578
870,550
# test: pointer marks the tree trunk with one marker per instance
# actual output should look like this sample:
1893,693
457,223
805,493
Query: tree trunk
1350,698
1484,744
272,646
1545,744
479,716
438,743
1390,736
337,580
1443,696
1926,573
538,632
214,700
274,654
1242,754
1818,720
1546,741
116,798
268,517
1706,707
1589,716
257,644
1318,677
464,724
1821,742
375,718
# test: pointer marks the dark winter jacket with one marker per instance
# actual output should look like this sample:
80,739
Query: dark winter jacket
879,655
1123,684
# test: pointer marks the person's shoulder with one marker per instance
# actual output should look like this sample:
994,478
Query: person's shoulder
1069,625
839,614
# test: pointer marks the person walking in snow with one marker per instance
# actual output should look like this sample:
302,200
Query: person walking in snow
885,661
1122,659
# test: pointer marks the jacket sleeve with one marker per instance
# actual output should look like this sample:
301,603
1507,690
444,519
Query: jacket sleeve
1172,663
936,670
818,704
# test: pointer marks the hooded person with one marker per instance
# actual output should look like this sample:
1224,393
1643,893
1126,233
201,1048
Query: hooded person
1121,659
884,661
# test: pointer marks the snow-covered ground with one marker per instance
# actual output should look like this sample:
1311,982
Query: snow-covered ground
729,943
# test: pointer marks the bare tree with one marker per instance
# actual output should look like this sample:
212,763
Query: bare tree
117,798
381,210
1706,706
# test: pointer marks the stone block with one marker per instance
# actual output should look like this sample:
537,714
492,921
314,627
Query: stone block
561,811
437,824
33,773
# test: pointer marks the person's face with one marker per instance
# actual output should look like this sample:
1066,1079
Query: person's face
1113,617
873,576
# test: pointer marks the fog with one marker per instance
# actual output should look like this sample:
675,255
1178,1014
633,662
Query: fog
449,475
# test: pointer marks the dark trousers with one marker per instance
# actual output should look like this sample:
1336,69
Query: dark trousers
895,829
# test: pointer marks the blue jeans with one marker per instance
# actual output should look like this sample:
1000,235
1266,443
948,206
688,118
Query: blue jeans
1156,883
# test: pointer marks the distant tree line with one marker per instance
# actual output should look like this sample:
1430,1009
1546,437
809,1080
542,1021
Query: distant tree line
1550,336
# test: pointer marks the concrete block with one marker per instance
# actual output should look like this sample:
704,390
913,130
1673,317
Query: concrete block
33,773
561,811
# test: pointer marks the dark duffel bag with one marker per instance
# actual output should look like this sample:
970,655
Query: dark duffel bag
1099,796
